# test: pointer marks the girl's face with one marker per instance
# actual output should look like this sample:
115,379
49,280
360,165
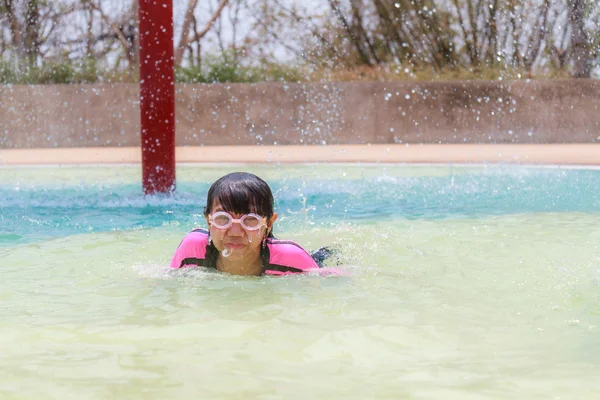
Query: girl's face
240,242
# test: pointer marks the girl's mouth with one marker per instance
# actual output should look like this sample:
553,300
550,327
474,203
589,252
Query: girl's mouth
235,246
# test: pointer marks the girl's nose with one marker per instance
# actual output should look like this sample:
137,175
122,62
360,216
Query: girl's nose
236,229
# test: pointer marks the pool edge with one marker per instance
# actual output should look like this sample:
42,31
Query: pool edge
480,154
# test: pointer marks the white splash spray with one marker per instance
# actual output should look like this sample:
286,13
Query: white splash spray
226,252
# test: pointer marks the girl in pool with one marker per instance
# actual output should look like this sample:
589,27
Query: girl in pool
239,240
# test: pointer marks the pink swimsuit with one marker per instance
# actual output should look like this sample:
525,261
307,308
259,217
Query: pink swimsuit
284,257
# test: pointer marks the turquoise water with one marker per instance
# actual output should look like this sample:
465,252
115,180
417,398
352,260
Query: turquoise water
45,209
462,283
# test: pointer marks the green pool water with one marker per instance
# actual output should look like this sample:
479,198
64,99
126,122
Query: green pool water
462,283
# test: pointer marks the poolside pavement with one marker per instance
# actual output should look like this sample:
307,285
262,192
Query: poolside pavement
561,154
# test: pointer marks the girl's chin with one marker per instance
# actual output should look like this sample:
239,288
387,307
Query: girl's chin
233,251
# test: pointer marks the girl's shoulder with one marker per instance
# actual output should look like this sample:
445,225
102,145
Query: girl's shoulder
286,256
197,235
191,250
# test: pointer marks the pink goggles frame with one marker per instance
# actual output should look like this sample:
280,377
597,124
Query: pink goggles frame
262,221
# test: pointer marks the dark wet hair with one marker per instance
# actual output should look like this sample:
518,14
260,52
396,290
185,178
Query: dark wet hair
241,193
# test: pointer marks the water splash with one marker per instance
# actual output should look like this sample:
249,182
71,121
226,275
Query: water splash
58,207
226,252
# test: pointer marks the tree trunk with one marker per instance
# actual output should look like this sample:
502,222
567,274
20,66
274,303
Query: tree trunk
581,53
185,32
89,40
493,31
31,41
15,28
134,49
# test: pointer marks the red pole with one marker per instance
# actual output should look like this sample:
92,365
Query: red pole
157,95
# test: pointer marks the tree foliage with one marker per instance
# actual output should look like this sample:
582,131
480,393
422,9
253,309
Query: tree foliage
250,40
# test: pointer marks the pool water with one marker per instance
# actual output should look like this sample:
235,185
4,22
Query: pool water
463,283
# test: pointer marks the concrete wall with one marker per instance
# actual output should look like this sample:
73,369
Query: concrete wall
564,111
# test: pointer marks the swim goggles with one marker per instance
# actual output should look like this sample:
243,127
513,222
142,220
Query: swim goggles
250,222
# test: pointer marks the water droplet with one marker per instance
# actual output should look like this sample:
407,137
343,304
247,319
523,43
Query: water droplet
226,252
